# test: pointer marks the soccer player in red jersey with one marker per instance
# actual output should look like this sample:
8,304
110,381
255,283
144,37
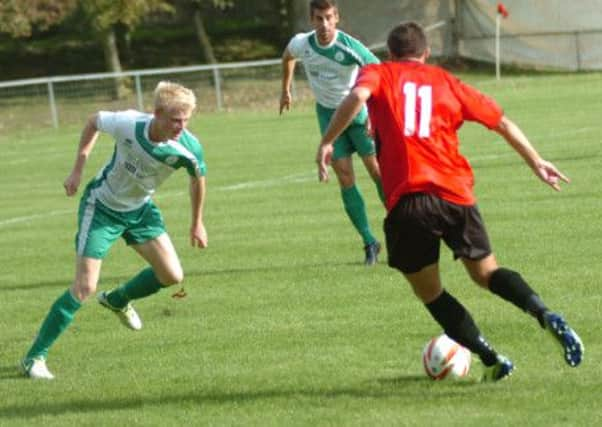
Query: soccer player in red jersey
415,111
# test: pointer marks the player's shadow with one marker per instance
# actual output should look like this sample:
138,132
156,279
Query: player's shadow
10,372
400,381
189,273
271,269
60,283
382,388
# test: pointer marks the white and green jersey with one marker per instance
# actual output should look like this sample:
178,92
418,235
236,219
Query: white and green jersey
332,69
138,166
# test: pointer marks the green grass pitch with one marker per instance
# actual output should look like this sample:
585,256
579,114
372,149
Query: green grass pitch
282,324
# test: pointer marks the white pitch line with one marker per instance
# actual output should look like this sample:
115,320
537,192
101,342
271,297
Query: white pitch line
32,217
300,177
265,183
272,182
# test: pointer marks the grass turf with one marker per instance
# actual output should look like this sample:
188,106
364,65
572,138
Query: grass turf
282,324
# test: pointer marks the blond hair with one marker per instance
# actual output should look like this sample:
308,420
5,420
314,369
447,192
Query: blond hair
173,96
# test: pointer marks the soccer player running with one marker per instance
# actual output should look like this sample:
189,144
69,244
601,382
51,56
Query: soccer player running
117,203
332,60
415,111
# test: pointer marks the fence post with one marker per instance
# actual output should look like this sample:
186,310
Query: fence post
53,111
139,99
578,50
498,19
218,88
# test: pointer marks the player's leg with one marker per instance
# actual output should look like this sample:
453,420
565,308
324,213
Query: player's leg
413,230
511,286
507,284
363,144
161,254
164,270
96,233
61,315
354,205
471,244
352,198
145,233
451,315
373,169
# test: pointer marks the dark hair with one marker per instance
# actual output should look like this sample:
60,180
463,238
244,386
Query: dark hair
320,5
407,40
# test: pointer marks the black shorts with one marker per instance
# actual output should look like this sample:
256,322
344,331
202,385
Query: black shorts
416,225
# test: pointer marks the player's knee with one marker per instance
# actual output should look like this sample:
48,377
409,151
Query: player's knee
174,276
346,179
374,172
481,277
82,289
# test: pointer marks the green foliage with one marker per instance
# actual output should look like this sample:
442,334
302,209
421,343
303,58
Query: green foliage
104,14
282,324
19,17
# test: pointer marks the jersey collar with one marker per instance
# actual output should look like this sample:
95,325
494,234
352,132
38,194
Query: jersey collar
329,45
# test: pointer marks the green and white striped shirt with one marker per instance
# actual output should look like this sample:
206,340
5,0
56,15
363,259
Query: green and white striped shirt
331,70
138,167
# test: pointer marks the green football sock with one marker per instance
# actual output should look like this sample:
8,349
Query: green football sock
142,285
356,210
58,319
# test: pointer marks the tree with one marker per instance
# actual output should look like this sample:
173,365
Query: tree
104,17
287,17
20,17
196,8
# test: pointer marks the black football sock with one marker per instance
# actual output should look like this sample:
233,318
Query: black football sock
512,287
458,324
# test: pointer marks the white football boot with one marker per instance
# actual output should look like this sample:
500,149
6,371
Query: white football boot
127,314
36,369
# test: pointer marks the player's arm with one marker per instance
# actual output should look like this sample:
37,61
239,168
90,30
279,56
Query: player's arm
347,110
515,137
87,140
198,234
288,71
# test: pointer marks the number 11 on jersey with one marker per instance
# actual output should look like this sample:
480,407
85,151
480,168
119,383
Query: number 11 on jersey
412,94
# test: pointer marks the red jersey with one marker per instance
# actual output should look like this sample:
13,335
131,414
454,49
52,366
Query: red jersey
415,112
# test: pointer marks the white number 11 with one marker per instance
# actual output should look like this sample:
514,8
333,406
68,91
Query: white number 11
425,93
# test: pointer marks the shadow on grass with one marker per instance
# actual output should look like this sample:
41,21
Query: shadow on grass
62,283
10,372
382,388
115,280
275,268
400,381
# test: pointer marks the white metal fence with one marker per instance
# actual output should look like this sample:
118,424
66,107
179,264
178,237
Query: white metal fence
60,100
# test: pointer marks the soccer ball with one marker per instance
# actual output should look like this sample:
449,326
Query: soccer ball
444,358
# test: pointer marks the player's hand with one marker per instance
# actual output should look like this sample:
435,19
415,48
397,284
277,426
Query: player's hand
285,101
323,157
198,236
71,184
548,173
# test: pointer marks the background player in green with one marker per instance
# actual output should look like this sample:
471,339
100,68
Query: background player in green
332,60
117,203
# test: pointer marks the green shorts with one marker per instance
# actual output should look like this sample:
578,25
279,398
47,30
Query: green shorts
99,226
354,139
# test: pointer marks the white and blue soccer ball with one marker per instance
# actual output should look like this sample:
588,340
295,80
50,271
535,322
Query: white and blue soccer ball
444,358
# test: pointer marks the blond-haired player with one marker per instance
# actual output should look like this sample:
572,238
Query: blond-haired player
117,203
